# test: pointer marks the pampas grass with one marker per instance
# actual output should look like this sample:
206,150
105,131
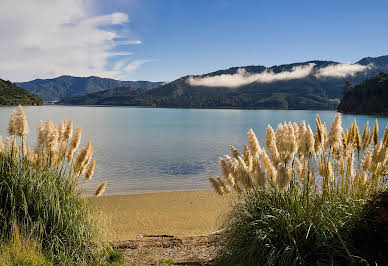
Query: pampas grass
299,198
43,189
336,160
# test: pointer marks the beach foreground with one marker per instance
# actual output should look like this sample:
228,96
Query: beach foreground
179,214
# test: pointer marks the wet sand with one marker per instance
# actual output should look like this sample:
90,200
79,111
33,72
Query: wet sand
180,214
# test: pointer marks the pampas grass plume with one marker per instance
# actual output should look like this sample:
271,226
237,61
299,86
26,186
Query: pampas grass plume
100,190
254,145
76,140
12,124
335,134
90,171
21,122
2,149
216,186
69,131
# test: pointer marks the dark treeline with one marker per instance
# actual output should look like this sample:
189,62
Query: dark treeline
368,97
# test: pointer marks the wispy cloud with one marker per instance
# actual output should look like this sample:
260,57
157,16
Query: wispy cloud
242,77
341,70
49,38
129,42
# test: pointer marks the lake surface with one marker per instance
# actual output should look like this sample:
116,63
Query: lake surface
149,149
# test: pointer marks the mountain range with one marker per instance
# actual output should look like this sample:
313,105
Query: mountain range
306,85
67,86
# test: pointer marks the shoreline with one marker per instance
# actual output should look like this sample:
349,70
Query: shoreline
176,213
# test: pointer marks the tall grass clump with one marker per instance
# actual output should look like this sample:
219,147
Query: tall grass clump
42,188
299,198
22,249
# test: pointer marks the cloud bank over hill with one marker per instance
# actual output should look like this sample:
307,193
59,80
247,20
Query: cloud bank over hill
242,77
341,70
49,38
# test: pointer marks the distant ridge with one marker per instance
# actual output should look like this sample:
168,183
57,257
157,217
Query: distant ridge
67,86
305,85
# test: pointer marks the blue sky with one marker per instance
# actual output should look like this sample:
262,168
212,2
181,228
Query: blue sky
164,40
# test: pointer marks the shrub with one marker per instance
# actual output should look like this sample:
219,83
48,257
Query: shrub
298,203
43,189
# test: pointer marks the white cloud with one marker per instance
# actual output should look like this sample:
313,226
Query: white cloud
341,70
130,42
242,77
45,39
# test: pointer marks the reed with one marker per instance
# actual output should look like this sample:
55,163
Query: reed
44,190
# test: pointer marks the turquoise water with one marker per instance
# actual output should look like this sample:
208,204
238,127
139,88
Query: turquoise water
145,150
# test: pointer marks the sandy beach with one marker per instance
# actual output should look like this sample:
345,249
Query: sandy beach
181,214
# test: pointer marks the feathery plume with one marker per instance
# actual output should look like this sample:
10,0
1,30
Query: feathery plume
82,158
2,149
70,154
349,168
21,122
365,134
254,145
234,152
52,136
12,124
375,132
269,168
76,140
296,129
283,179
259,177
90,171
41,136
69,131
224,186
270,143
224,167
321,168
246,155
62,150
101,189
357,138
62,130
341,166
216,186
299,169
228,175
335,134
309,150
31,157
366,162
8,144
243,173
385,138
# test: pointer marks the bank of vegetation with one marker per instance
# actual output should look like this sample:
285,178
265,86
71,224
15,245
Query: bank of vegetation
45,216
307,197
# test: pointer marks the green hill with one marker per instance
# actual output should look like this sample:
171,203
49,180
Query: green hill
368,97
10,94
